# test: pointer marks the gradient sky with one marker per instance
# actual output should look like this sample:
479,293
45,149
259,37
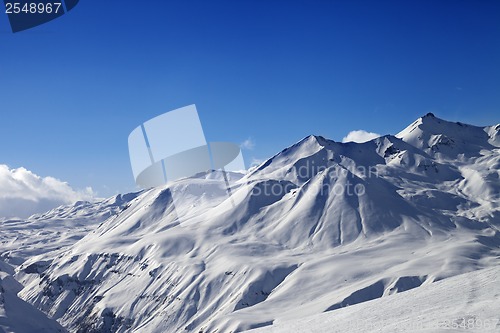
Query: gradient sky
273,71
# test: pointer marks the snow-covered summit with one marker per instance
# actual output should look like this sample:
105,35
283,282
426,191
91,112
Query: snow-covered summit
450,140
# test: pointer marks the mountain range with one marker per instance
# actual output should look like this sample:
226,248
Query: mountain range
320,229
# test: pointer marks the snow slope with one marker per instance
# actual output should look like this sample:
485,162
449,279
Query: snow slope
318,227
56,229
43,235
16,315
464,302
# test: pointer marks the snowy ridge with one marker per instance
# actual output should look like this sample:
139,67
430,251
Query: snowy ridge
55,229
450,140
320,226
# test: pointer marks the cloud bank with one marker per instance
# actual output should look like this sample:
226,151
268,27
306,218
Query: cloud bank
23,193
360,136
248,144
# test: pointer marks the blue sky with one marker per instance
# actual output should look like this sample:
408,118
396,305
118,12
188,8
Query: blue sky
273,71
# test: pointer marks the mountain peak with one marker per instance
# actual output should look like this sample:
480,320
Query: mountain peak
445,139
321,140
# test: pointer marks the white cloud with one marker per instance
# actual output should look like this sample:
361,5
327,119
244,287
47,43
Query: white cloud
248,144
23,193
360,136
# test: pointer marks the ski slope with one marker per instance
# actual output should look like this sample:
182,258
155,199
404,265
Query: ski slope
466,302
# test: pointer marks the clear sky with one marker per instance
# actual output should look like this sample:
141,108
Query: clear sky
273,71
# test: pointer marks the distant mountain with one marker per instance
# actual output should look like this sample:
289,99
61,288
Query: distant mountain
55,230
320,226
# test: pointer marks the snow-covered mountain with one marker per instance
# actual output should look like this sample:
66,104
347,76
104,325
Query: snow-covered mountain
44,235
320,226
56,229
